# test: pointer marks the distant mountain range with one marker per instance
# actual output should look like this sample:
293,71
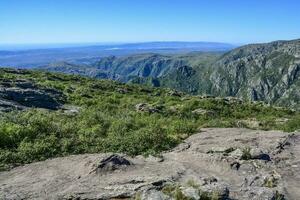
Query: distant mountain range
262,72
130,68
80,54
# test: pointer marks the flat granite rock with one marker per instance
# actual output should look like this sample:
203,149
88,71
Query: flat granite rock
192,169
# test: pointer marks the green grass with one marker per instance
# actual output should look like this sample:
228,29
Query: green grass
108,122
246,153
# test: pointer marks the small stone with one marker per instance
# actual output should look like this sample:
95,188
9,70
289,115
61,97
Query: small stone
153,195
210,180
191,192
174,93
249,123
259,155
236,153
200,111
235,165
144,107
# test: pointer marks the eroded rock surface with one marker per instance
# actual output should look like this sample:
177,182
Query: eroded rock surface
20,94
223,163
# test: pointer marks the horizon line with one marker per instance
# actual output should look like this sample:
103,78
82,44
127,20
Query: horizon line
137,42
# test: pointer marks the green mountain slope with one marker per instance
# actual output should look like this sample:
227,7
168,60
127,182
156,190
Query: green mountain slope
91,115
261,72
128,68
268,72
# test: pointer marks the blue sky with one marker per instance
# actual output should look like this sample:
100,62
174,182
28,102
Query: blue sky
81,21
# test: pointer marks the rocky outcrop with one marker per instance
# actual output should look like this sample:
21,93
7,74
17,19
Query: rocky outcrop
20,93
246,164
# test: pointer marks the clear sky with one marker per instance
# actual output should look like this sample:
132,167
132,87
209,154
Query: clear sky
81,21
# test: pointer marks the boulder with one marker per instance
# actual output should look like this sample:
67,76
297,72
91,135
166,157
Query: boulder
201,111
112,163
144,107
175,93
122,90
249,123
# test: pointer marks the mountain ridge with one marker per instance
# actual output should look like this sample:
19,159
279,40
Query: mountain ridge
258,72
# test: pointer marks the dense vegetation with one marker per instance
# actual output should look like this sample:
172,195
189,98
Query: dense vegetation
102,116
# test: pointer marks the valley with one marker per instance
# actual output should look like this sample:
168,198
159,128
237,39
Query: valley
260,72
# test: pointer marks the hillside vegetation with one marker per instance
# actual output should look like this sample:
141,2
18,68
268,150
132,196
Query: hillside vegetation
265,72
93,115
260,72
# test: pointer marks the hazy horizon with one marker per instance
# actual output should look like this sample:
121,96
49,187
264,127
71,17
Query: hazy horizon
32,46
16,47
